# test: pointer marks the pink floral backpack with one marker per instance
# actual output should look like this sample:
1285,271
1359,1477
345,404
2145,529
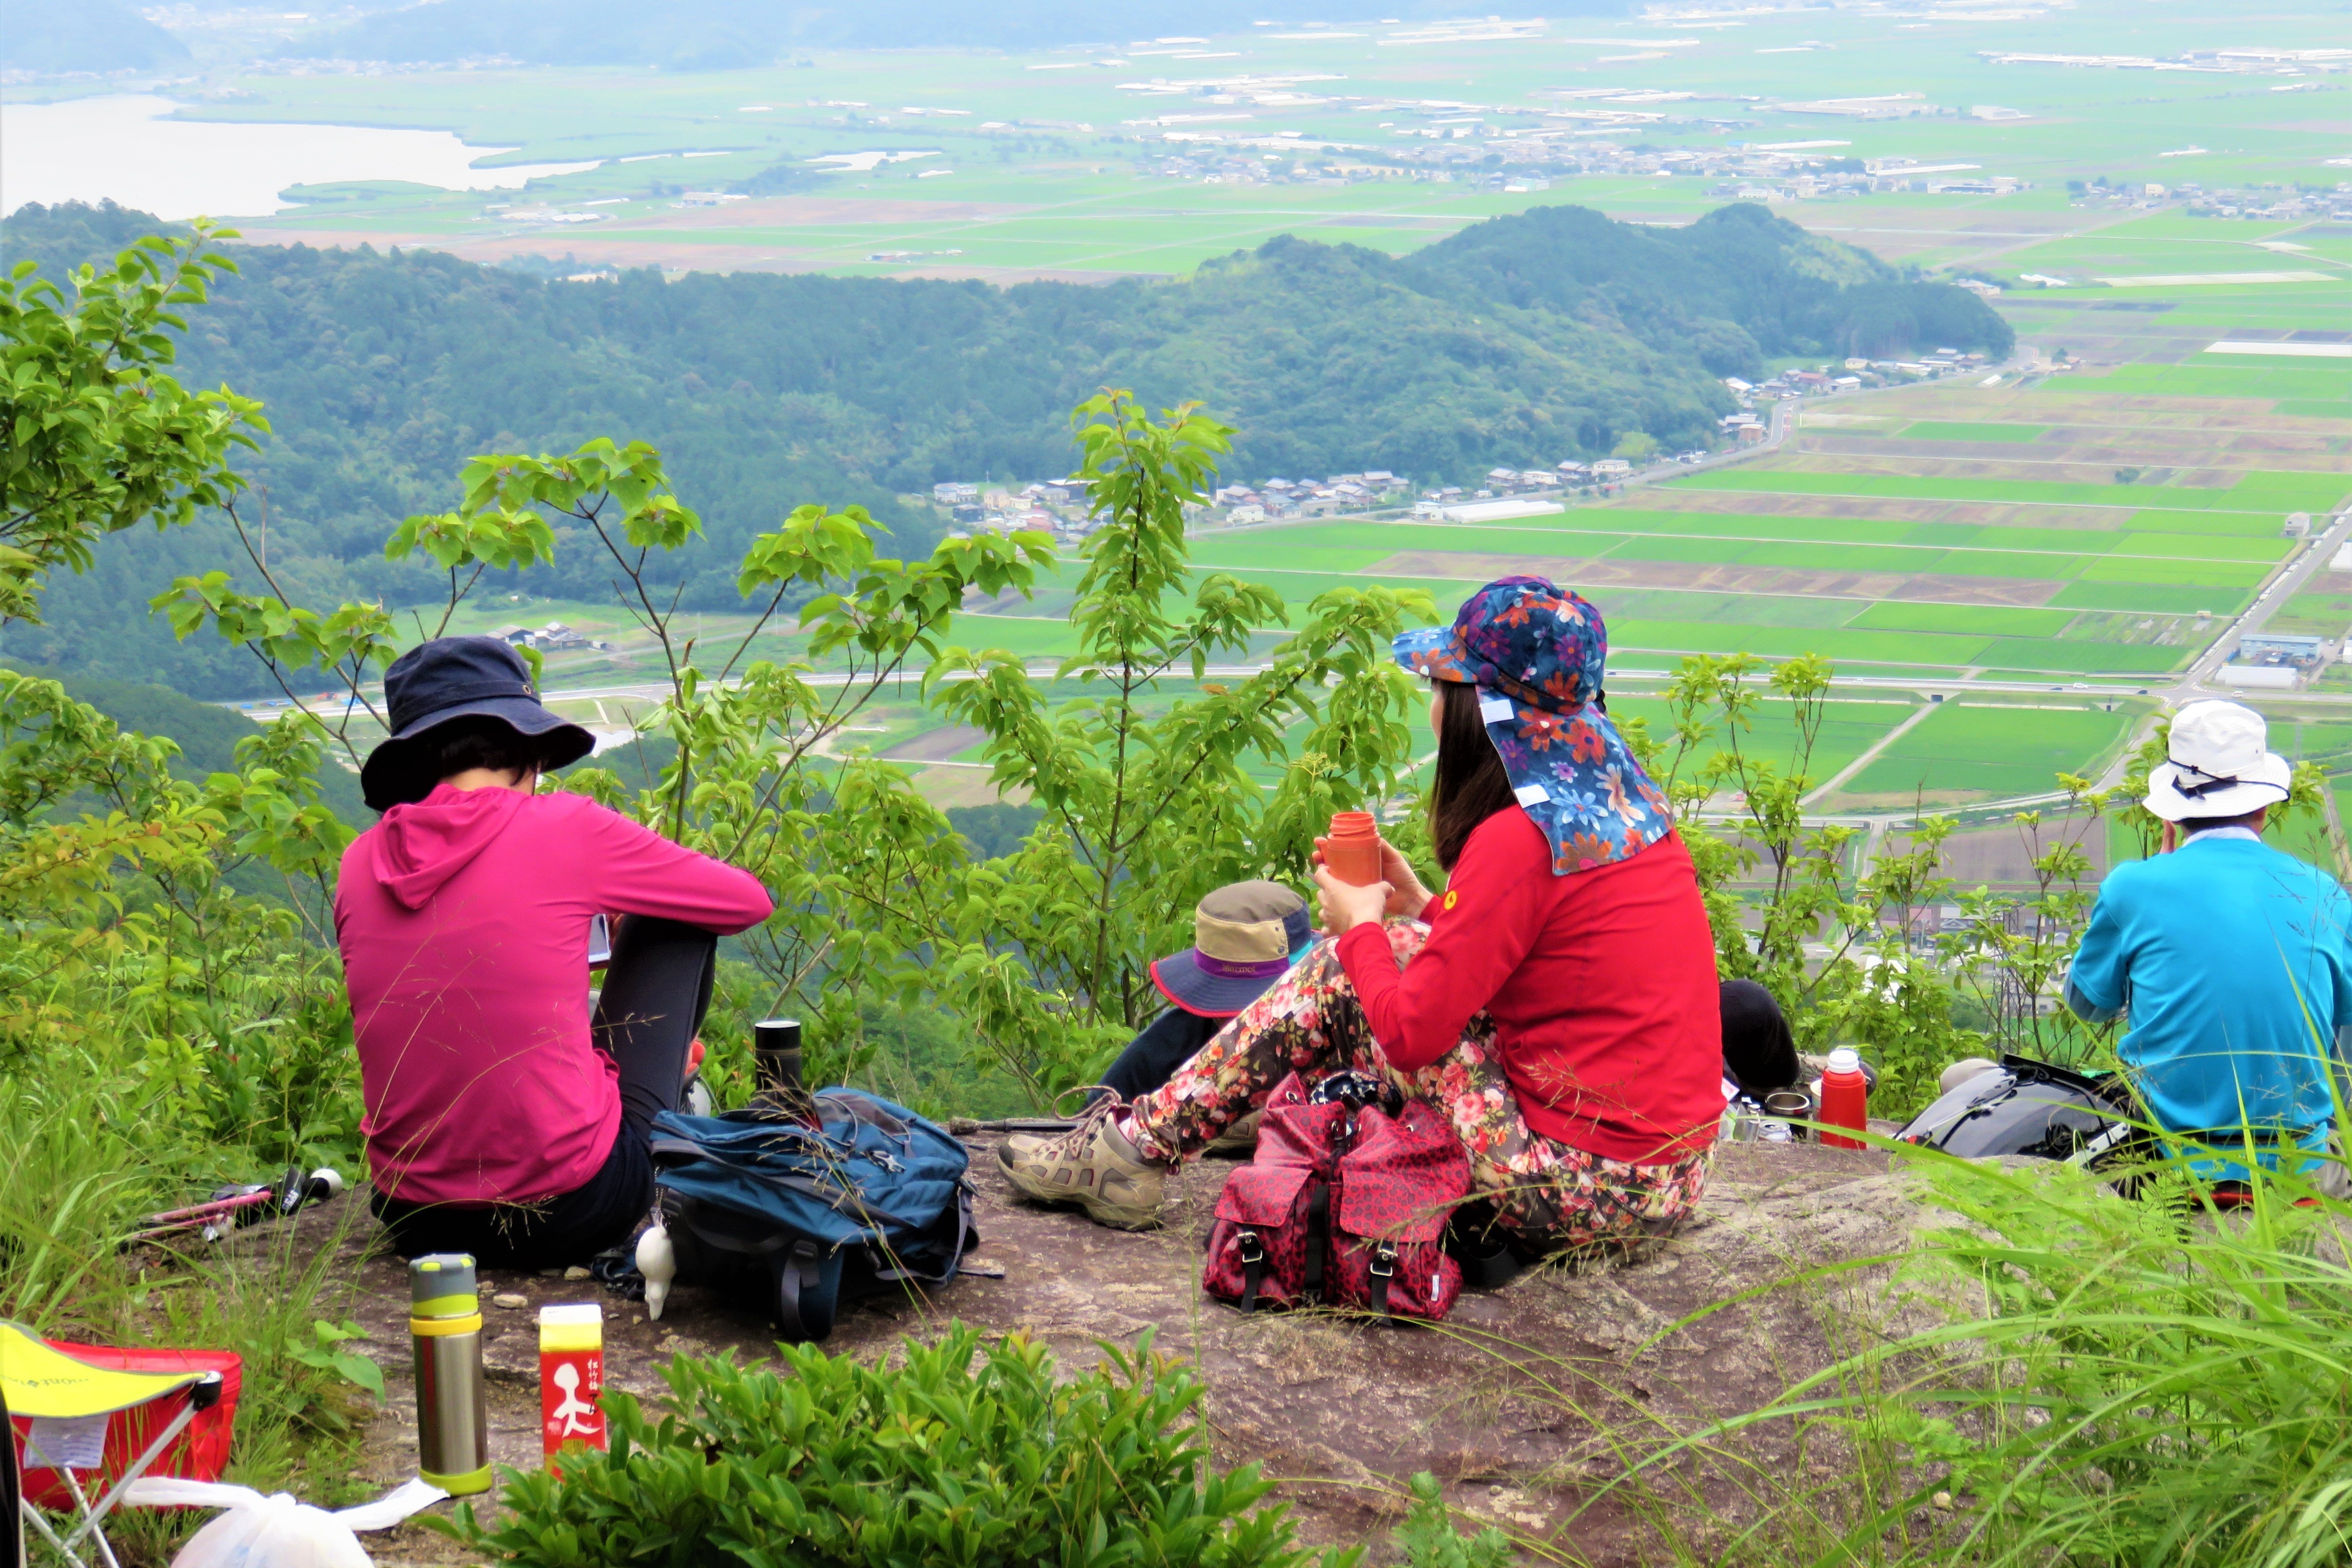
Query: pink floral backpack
1345,1205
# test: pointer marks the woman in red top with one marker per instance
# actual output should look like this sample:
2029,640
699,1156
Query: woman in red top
1558,999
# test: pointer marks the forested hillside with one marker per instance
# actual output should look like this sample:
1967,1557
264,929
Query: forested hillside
1521,341
86,36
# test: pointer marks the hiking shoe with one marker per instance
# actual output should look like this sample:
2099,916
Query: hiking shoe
1093,1165
1241,1138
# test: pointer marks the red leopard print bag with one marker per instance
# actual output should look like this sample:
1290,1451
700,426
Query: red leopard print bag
1344,1204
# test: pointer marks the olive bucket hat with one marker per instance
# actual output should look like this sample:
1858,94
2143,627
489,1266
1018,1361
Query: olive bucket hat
451,678
1245,937
1537,652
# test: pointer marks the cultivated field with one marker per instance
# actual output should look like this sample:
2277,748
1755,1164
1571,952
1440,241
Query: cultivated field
2091,529
1056,163
2059,528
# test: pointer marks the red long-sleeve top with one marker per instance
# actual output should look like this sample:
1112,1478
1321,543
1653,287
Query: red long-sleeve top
1602,985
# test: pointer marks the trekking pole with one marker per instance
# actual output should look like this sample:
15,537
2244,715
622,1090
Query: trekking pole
231,1207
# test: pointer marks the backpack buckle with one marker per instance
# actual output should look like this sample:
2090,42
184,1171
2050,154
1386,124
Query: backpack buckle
1384,1257
1251,1250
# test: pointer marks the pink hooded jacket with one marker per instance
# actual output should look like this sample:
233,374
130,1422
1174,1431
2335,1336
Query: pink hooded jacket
463,922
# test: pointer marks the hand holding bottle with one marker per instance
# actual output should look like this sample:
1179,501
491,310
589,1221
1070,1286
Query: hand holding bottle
1354,853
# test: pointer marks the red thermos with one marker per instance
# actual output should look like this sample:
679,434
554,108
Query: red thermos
1352,852
1845,1099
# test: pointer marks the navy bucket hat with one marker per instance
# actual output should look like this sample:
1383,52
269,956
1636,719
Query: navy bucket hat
1538,653
451,678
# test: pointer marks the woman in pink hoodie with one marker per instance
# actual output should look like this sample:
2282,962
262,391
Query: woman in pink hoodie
501,1119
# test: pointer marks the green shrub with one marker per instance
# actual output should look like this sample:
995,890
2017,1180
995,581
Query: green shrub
957,1455
1429,1539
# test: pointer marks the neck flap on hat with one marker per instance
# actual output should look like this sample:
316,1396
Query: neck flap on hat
1571,774
1537,652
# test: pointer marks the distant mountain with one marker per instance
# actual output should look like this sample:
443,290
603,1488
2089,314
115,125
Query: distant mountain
1520,340
1736,285
725,35
55,36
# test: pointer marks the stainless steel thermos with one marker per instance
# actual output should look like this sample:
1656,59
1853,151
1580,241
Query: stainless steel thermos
776,1063
776,1053
445,1325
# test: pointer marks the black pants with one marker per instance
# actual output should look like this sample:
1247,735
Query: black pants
1152,1057
1759,1052
656,990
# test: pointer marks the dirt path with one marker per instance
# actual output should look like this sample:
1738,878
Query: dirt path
1530,1398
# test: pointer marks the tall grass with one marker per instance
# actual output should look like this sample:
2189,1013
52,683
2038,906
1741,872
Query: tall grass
2141,1382
90,1154
2058,1375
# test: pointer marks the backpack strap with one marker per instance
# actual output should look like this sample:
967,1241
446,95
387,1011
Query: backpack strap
806,1294
1252,1251
676,1151
966,1238
1319,1242
1382,1268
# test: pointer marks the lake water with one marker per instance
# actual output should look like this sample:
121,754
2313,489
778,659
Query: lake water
121,147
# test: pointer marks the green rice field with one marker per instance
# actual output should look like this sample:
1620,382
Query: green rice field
1953,430
1997,750
1676,581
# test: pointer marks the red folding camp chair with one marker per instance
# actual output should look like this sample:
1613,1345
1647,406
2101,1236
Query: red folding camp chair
112,1414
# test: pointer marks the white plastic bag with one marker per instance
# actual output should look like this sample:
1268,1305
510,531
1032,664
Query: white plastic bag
277,1532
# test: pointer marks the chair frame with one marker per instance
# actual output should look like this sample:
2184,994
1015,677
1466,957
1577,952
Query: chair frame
201,1396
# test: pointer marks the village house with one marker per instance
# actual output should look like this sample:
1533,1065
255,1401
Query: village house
553,637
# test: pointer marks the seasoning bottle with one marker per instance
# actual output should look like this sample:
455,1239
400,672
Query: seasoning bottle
1352,852
445,1325
571,1377
1845,1099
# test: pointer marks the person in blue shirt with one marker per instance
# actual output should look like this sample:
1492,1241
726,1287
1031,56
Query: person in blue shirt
2232,960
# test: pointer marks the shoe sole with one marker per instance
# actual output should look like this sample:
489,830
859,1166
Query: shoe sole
1117,1216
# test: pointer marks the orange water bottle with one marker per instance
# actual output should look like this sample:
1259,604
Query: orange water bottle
1352,852
1845,1098
570,1376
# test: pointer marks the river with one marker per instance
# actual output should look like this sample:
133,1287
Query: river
122,147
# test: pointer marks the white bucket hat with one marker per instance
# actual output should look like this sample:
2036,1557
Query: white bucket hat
2218,764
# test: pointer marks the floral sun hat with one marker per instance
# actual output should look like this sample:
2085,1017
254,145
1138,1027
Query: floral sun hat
1536,652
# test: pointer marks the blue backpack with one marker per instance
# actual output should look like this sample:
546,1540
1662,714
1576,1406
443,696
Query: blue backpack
806,1218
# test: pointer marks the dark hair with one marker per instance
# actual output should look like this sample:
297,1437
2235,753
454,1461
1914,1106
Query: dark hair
2188,825
1470,785
479,740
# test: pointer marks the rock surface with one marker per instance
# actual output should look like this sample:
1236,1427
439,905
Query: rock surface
1524,1403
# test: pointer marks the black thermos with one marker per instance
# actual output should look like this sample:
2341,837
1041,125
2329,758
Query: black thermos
776,1055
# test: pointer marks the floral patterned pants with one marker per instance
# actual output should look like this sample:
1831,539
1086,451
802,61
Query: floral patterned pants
1548,1195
